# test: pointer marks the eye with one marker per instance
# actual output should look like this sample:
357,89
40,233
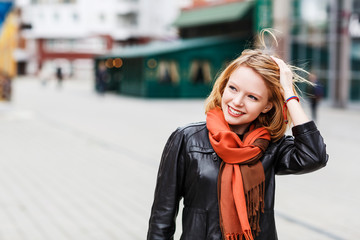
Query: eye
253,97
232,87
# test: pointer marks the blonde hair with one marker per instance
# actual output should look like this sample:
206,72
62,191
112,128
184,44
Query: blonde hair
266,67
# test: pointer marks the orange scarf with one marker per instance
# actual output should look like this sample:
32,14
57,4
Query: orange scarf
241,180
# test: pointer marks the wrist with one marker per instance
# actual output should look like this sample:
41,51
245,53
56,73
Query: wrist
288,94
294,97
285,106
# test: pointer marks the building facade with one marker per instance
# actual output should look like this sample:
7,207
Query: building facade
69,33
211,35
324,39
322,36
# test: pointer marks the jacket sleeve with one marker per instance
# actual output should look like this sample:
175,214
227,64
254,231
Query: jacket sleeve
303,153
168,191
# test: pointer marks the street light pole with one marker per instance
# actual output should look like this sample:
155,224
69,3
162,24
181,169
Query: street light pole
281,17
344,55
333,49
339,52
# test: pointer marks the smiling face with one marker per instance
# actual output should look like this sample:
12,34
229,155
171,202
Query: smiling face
245,96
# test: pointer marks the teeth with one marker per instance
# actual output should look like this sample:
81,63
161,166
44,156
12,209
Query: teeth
234,111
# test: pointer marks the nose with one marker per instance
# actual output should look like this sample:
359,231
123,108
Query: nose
238,100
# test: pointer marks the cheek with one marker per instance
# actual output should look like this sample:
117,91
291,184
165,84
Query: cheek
224,98
256,107
223,103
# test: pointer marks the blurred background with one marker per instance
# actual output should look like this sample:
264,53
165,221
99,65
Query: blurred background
90,91
175,48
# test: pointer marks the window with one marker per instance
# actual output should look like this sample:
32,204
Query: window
102,17
75,17
127,20
200,72
66,1
168,72
39,1
56,16
41,16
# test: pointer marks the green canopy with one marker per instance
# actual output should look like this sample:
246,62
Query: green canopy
214,14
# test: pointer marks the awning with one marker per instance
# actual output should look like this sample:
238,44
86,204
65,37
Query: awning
5,7
214,14
158,48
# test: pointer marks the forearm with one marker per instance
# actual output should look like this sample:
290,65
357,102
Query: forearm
303,153
296,112
295,109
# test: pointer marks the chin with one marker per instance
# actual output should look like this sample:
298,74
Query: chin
231,122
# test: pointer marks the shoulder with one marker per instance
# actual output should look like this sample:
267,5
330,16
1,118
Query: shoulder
192,128
194,134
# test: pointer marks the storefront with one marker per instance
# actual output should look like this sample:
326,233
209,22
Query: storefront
177,69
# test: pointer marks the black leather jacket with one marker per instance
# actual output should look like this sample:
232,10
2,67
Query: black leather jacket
189,169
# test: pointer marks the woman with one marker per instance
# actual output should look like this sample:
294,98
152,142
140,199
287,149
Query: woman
225,169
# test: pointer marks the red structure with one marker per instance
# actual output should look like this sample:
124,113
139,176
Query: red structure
205,3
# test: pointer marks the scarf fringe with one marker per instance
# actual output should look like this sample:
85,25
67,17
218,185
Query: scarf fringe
254,206
238,236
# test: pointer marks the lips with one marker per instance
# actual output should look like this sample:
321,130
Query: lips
233,112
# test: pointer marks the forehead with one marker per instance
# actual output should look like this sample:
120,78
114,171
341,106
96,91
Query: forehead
246,77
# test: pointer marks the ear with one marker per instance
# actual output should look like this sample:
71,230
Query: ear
268,107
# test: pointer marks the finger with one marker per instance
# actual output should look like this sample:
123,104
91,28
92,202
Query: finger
279,61
274,58
282,65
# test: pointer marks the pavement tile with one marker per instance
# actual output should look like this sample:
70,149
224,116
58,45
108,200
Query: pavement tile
75,165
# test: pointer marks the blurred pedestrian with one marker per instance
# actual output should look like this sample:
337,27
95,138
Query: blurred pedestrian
59,76
45,74
316,93
101,78
224,168
5,87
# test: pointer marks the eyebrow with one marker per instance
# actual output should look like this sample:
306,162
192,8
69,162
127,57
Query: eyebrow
251,93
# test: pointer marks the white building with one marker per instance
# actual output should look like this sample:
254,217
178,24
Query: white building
68,33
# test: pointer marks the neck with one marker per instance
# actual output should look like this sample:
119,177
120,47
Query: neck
241,130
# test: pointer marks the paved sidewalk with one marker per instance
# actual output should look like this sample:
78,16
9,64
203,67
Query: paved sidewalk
75,165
